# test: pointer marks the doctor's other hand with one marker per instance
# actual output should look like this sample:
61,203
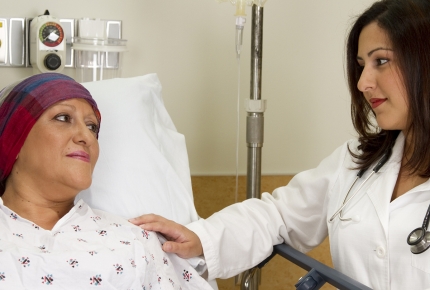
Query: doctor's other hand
180,240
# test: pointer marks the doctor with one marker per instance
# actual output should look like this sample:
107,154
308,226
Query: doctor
369,220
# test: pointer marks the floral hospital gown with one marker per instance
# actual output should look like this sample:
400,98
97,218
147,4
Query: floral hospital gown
87,249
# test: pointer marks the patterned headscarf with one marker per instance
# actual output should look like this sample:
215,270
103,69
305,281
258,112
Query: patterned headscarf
22,103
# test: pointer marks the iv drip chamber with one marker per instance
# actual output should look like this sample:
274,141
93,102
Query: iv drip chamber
240,23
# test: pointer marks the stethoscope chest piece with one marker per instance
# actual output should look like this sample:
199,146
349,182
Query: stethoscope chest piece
419,240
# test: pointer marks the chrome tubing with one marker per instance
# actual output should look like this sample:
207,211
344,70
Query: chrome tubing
249,279
256,51
255,121
254,128
254,141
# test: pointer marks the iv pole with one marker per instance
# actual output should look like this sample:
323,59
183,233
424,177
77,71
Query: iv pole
254,126
318,273
255,108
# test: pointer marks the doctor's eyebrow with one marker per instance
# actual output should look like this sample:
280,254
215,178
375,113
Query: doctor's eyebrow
373,50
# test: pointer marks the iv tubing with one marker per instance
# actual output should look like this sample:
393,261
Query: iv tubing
240,23
236,195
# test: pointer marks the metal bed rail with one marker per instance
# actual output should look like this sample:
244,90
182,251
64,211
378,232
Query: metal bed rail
318,274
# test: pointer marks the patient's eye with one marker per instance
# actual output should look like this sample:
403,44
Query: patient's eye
93,128
63,118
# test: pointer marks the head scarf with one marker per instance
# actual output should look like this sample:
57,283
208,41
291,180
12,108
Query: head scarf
23,102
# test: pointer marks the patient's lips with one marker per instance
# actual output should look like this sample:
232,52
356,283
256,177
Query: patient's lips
81,155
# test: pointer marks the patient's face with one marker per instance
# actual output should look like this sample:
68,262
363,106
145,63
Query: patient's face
61,148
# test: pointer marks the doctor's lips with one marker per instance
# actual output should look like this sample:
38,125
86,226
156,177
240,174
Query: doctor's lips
81,155
376,102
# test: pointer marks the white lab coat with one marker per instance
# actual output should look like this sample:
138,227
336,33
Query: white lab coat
372,250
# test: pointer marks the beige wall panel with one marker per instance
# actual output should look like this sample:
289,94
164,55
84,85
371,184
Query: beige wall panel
190,44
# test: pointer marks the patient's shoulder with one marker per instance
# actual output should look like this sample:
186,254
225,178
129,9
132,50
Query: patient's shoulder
110,217
99,215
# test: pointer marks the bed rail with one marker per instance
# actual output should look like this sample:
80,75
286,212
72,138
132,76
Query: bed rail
318,274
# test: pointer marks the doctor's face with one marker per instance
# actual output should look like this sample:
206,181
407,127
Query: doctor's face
381,80
61,149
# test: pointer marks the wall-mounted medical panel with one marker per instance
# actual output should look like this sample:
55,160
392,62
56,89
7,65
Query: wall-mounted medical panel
12,42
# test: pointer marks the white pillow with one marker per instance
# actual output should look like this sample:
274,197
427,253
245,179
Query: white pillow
143,163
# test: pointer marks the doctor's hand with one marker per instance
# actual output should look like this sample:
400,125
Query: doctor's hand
180,240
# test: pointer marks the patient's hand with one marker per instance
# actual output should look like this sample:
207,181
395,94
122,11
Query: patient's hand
181,241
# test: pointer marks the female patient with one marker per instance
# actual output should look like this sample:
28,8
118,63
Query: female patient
49,126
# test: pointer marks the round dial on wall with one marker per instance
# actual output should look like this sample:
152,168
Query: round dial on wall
51,34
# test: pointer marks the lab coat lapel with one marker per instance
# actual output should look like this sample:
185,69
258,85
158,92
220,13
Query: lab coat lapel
380,193
381,190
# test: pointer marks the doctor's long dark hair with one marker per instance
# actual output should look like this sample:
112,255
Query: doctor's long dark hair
407,24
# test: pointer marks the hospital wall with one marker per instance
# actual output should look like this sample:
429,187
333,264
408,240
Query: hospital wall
190,45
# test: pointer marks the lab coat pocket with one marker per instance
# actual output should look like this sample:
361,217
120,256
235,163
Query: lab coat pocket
421,261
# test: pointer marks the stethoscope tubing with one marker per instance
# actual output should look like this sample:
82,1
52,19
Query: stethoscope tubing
378,166
426,219
345,201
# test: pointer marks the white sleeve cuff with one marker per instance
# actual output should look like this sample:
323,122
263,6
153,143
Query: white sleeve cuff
209,252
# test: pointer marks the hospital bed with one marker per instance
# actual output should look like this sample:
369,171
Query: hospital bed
143,168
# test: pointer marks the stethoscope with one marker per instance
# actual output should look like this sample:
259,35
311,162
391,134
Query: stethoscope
418,239
360,173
